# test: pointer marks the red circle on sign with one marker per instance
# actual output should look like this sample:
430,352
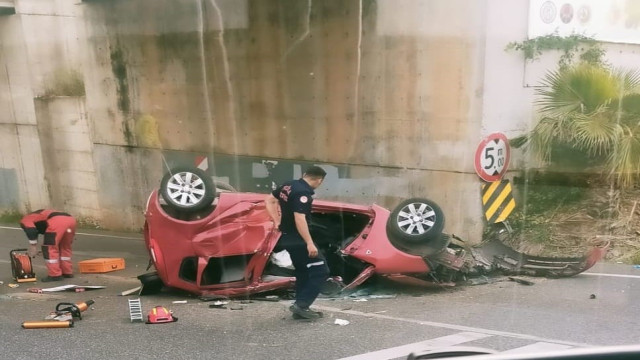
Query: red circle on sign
492,157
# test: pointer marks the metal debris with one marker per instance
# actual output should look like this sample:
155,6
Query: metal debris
521,281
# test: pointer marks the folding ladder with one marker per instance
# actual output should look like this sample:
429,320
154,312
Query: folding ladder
135,310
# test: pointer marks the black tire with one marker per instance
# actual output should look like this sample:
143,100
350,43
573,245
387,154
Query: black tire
151,283
425,250
187,189
416,221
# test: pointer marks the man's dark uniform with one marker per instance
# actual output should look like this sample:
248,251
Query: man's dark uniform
311,273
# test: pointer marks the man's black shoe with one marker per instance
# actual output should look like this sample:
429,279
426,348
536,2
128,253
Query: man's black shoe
51,278
67,276
298,317
300,313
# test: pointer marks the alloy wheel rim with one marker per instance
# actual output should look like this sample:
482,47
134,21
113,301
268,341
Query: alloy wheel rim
416,218
186,188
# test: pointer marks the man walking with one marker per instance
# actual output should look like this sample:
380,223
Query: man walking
59,229
291,217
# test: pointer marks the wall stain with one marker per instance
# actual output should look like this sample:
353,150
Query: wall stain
119,68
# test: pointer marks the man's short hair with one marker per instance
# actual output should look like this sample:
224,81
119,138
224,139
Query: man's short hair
315,172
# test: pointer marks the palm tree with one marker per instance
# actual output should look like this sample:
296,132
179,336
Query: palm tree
589,118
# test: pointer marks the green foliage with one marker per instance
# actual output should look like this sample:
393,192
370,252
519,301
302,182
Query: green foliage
589,118
539,197
539,193
85,222
10,216
589,49
65,82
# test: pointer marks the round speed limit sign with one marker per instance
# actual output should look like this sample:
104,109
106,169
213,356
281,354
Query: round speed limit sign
492,157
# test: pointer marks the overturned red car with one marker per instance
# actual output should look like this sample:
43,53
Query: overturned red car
205,238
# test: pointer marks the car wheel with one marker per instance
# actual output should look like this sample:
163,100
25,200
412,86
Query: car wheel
187,189
151,283
426,249
416,221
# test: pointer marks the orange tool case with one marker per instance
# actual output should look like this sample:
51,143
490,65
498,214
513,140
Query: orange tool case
101,265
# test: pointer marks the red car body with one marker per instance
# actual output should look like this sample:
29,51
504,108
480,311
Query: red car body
227,251
240,225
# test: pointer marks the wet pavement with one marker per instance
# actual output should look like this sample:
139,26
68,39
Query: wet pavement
506,314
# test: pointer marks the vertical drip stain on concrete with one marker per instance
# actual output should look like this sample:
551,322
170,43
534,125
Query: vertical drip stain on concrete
119,68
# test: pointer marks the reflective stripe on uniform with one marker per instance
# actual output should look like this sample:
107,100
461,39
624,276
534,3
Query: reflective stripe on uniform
317,263
52,261
65,258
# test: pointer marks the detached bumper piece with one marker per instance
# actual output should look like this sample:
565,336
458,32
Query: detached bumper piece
495,255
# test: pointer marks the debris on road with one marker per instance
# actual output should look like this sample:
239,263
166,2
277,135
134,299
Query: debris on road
179,302
219,304
214,298
273,298
13,286
75,288
593,296
130,291
480,280
521,281
341,322
390,296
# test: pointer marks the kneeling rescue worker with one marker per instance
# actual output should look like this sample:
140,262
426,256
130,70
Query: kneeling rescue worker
59,229
311,271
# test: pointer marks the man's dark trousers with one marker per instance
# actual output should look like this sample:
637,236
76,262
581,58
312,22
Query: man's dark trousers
311,273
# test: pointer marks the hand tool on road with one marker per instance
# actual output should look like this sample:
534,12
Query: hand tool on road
21,268
69,311
62,317
47,324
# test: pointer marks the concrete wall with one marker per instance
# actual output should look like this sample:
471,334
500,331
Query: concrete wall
335,82
392,96
68,153
50,38
22,181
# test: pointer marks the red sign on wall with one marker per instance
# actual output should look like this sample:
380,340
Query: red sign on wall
492,157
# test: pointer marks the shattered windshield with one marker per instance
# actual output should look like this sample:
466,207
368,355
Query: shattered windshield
319,179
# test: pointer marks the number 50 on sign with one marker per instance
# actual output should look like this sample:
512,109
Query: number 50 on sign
492,157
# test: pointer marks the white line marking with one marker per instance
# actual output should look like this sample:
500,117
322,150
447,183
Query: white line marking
392,353
453,327
613,275
79,233
537,347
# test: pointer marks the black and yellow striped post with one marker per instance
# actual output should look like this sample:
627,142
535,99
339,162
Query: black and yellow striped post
497,200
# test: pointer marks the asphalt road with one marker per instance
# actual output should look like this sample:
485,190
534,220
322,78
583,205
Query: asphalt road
503,316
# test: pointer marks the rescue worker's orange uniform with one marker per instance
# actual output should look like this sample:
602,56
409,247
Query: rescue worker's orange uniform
59,229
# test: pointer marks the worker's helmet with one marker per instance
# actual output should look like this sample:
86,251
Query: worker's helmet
159,315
